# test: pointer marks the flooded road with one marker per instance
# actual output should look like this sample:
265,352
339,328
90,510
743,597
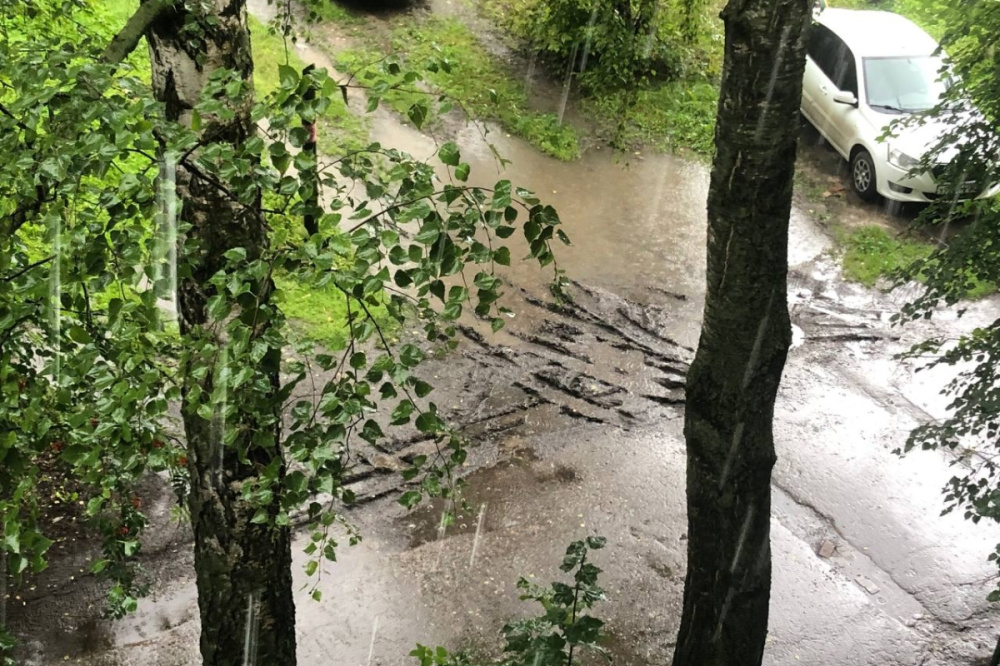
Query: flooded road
576,410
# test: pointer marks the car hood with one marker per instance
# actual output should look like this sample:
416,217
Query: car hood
918,136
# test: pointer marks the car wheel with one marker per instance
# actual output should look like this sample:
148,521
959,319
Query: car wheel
863,175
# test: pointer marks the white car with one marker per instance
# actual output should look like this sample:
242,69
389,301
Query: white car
864,70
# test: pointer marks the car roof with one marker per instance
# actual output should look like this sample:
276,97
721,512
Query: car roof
871,33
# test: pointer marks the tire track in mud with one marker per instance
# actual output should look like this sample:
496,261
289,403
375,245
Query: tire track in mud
594,358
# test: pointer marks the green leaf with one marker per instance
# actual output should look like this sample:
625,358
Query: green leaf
527,196
429,232
584,631
79,334
502,256
428,422
130,547
417,113
358,360
449,154
288,76
462,171
236,254
410,499
401,414
410,355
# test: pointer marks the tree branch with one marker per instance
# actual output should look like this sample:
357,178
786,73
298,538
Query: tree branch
128,37
14,276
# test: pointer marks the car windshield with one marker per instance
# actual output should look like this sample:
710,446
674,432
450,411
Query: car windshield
904,84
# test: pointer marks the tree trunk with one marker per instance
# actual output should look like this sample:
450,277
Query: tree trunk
243,568
745,336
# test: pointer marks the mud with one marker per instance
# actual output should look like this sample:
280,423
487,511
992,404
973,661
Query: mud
575,412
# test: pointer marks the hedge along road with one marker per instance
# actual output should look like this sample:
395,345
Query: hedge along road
577,412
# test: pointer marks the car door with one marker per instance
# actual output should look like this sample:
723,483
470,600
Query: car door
829,65
817,52
843,78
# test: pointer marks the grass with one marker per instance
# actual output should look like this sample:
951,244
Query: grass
339,130
485,88
321,315
872,253
675,117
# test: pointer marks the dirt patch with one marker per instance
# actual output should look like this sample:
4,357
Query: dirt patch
823,188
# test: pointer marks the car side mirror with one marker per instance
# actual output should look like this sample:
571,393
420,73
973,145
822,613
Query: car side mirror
845,97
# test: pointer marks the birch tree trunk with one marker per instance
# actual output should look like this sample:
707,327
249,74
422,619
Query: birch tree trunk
733,382
243,568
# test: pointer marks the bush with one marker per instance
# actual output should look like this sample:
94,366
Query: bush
614,44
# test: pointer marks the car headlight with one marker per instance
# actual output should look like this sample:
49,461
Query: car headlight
902,160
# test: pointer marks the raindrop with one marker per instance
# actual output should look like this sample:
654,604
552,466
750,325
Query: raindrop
442,528
733,446
371,646
651,31
766,106
590,33
221,407
252,629
55,293
3,588
479,529
568,83
529,75
723,613
744,530
165,266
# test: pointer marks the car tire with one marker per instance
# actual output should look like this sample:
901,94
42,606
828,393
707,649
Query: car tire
863,175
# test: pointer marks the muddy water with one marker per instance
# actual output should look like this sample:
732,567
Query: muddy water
636,227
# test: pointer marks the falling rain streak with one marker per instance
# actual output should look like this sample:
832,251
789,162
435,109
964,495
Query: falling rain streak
252,629
442,528
165,260
766,104
479,529
55,293
371,646
222,377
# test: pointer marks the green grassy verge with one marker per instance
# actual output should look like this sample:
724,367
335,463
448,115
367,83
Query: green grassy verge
321,315
338,130
673,117
872,252
475,80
